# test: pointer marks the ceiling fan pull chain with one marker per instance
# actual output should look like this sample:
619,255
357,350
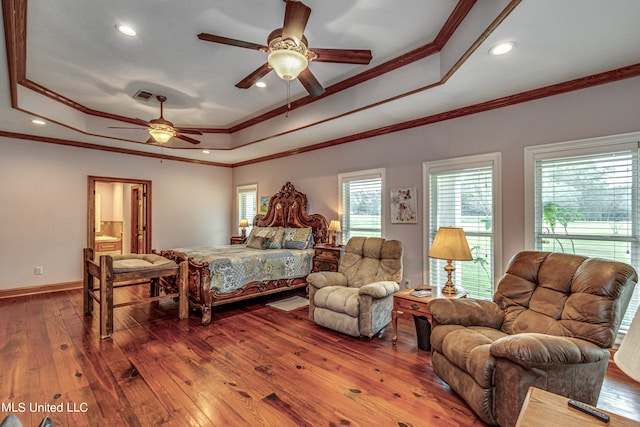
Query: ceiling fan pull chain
288,98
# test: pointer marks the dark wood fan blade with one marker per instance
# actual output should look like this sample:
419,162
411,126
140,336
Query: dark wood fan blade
310,83
343,56
189,131
187,138
252,78
296,16
231,42
124,127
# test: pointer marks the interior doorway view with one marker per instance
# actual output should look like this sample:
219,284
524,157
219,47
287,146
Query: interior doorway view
119,215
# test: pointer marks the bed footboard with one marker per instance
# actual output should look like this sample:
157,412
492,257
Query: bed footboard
198,282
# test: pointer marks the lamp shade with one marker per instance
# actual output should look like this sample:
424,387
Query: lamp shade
287,63
334,225
450,243
244,223
627,355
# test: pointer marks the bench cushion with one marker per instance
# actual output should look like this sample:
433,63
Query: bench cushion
136,262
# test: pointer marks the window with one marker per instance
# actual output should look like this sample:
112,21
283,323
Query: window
361,202
247,196
583,197
465,192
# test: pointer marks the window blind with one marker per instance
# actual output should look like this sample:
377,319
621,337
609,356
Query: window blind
588,205
464,198
361,206
247,205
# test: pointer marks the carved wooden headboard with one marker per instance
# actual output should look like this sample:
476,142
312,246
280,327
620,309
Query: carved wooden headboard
288,208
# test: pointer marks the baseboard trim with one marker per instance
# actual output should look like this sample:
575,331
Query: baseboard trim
41,289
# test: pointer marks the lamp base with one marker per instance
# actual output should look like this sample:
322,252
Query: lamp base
449,287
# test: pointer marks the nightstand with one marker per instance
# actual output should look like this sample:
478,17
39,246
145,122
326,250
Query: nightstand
326,257
238,240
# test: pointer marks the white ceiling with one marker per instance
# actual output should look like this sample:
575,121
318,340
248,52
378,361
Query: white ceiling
74,51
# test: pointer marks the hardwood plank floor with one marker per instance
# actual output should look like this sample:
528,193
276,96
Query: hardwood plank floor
253,366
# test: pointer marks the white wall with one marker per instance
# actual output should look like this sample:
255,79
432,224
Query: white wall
43,206
43,186
602,110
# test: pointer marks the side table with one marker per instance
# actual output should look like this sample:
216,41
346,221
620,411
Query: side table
326,257
237,240
543,408
405,303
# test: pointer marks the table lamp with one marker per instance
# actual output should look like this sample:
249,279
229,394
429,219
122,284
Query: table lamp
244,224
451,245
626,357
334,229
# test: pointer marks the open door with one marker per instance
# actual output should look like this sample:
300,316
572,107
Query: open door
119,215
138,214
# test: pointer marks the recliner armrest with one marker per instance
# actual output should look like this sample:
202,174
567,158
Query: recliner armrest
326,278
379,289
466,312
541,350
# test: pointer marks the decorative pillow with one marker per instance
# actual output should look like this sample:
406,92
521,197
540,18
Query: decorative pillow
276,239
254,232
257,242
297,238
261,232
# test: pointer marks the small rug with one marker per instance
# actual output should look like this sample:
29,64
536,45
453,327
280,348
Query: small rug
289,304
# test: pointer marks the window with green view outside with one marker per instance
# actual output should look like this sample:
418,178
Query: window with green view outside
361,204
586,202
463,193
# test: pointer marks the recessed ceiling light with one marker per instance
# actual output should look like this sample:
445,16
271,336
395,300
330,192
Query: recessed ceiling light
126,30
38,122
261,84
205,151
502,48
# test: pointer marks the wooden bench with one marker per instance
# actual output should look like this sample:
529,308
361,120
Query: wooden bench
131,270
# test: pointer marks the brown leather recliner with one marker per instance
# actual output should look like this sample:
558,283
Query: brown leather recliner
550,324
357,299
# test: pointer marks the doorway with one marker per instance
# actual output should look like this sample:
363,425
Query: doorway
119,215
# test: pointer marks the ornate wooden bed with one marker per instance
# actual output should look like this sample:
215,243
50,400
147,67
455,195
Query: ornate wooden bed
287,208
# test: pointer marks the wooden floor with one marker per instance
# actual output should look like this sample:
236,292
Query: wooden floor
253,366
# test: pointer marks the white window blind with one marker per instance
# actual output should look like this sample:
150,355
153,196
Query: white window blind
588,205
361,204
465,198
247,204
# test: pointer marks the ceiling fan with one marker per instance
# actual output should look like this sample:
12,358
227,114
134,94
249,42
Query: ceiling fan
289,53
162,130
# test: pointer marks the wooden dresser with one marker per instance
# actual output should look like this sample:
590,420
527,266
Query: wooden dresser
326,257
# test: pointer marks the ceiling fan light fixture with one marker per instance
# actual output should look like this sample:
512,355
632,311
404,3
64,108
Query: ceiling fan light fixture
287,64
161,133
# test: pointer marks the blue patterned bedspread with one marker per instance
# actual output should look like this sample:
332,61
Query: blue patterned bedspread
233,266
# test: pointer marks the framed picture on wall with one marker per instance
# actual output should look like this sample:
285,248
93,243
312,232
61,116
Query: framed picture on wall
264,204
403,205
